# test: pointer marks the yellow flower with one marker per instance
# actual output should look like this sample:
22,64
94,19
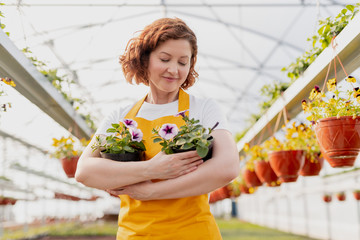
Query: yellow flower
351,79
246,147
8,81
331,84
304,105
315,93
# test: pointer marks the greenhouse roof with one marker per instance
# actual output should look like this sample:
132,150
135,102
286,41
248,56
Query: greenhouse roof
243,45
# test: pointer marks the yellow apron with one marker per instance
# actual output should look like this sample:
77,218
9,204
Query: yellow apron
171,219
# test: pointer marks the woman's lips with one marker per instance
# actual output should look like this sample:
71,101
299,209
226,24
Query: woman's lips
170,79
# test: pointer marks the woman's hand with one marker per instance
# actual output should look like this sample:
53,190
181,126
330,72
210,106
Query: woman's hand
139,191
166,166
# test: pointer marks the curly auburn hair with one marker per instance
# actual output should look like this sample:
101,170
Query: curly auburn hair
135,60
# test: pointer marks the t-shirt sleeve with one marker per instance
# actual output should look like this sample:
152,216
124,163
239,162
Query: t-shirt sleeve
106,123
113,117
213,113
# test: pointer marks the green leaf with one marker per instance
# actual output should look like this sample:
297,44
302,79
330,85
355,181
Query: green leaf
181,141
115,125
202,151
129,149
188,146
344,11
111,130
156,140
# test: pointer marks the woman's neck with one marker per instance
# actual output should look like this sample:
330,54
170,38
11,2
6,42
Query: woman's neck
159,97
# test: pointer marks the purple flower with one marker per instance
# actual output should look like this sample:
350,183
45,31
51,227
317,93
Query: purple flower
182,113
168,131
136,134
129,123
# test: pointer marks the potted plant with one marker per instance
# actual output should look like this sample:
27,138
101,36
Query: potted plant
356,194
68,150
336,120
300,136
327,198
341,196
124,144
234,188
262,166
286,158
249,175
191,136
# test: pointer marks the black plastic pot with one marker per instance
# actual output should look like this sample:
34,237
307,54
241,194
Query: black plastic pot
124,157
208,155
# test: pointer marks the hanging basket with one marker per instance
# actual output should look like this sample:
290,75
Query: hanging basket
312,167
69,165
341,197
250,177
244,188
287,164
339,140
266,174
356,195
327,198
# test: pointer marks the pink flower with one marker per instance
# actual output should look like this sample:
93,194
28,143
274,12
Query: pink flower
129,123
182,113
136,134
168,131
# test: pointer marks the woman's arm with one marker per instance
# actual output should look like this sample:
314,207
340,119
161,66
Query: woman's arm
94,171
214,173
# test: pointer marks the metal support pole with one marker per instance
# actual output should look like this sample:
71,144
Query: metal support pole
328,219
289,213
306,213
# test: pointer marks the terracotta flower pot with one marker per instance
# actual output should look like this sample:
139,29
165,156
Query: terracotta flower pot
224,192
124,157
312,168
244,189
69,165
341,196
339,140
327,198
356,195
287,164
250,177
266,174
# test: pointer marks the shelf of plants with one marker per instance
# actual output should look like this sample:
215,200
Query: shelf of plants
347,49
34,86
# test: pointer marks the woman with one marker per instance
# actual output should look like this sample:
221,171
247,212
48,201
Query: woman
163,57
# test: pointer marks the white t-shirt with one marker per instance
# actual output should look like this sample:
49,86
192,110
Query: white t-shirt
204,109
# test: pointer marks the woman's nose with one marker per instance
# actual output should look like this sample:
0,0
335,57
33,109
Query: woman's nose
173,69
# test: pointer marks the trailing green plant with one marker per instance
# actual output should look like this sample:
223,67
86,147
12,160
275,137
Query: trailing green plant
2,26
3,82
328,28
272,92
62,84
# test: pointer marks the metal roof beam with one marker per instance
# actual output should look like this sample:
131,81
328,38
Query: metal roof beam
36,88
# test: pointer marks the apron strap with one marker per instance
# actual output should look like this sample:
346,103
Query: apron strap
183,104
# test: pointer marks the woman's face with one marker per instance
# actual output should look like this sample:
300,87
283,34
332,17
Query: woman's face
169,65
